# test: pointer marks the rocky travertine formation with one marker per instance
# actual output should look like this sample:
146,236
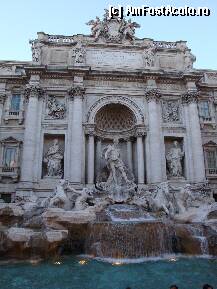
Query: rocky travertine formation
44,228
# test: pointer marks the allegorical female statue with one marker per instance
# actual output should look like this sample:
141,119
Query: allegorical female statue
174,160
53,158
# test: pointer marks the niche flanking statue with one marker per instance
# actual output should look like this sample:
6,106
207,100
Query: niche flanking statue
174,160
53,160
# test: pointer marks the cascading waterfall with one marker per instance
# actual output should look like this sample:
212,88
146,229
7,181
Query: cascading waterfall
197,232
129,239
204,245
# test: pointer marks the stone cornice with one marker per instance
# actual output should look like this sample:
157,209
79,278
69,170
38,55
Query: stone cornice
35,70
192,77
190,96
152,94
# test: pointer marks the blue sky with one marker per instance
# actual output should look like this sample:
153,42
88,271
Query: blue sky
20,20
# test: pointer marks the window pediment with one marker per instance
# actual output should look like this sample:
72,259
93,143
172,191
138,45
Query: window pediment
10,140
210,144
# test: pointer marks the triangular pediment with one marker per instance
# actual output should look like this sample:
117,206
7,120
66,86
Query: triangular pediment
10,140
210,143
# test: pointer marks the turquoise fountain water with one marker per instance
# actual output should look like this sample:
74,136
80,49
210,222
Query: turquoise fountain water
81,273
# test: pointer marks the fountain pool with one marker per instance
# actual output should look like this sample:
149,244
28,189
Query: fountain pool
82,273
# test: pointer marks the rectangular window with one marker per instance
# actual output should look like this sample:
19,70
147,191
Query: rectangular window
9,159
204,111
211,157
6,197
15,103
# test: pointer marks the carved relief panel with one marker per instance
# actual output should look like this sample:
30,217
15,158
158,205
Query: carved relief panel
55,107
171,111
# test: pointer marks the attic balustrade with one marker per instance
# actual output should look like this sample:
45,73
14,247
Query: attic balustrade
60,39
164,44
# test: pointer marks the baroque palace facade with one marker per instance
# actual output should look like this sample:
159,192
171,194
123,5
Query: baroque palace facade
59,111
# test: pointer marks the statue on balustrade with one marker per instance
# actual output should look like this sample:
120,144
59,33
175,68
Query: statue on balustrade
36,52
174,160
189,59
53,159
98,28
149,56
79,54
127,29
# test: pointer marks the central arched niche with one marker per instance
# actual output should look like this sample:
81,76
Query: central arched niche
116,120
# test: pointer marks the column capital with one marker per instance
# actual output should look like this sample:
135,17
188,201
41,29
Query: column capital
152,94
140,131
33,90
77,91
128,138
90,129
191,96
2,97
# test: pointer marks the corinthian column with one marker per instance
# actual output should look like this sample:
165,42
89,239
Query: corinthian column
193,132
29,162
90,156
154,137
130,154
140,155
76,134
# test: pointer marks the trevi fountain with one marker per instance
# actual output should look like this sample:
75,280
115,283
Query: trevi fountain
108,152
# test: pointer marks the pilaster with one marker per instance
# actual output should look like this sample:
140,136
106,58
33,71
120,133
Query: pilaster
76,133
155,136
2,101
33,92
190,99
